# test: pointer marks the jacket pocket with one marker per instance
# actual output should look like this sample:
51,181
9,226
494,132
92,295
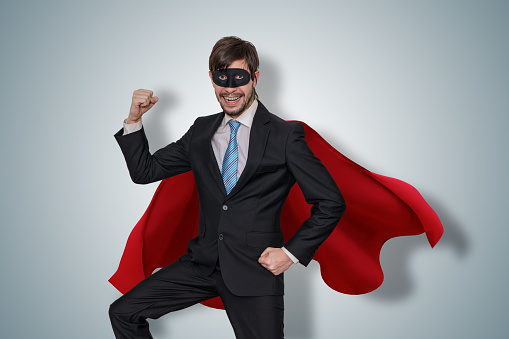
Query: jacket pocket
270,168
264,239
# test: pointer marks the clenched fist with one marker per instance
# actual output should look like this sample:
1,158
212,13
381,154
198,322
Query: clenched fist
275,260
142,102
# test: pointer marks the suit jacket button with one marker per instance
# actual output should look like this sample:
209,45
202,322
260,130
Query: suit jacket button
221,236
225,208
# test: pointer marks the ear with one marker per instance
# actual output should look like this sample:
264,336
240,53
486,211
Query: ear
255,80
210,76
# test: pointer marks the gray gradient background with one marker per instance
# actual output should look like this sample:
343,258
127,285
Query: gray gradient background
415,90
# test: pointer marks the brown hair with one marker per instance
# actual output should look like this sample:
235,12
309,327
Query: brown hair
231,48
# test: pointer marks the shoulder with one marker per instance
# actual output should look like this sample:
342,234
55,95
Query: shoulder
208,118
283,129
203,123
286,126
274,119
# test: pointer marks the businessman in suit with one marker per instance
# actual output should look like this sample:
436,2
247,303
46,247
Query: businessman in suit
244,160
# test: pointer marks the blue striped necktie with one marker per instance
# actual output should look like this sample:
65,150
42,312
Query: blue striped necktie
230,161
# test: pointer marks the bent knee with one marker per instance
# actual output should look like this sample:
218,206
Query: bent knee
117,308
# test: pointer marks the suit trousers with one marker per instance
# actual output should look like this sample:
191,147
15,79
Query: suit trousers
177,286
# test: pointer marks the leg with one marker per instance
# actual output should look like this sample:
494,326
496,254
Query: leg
172,288
253,317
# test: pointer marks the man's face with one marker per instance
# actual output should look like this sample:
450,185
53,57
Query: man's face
235,100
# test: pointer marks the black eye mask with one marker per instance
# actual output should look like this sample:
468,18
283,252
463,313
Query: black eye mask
231,77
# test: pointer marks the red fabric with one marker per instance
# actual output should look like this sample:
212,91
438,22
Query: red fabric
378,208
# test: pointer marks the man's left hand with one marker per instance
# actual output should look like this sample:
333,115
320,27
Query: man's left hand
275,260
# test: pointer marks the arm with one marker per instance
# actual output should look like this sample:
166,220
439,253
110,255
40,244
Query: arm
130,128
144,167
319,189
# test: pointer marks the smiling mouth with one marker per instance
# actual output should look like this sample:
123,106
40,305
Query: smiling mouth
232,100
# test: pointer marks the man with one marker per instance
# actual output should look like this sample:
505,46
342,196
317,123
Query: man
245,161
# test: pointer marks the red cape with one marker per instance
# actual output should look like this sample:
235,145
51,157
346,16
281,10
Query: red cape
378,208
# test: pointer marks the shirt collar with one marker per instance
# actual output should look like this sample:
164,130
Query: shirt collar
245,118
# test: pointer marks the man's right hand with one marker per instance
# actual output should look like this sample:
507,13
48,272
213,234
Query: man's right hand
142,102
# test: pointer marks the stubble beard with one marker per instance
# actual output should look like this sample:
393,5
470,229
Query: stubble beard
240,110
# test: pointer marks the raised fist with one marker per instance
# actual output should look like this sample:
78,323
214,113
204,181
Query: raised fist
142,102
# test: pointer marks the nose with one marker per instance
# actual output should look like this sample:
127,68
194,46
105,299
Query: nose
229,90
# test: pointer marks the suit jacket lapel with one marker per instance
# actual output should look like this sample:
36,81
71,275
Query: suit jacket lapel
257,141
212,162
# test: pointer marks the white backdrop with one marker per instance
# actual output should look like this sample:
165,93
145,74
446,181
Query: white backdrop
408,89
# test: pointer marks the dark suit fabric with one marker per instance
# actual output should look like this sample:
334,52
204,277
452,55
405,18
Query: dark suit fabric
239,226
233,229
177,286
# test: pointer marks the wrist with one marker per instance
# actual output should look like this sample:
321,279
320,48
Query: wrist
290,255
130,121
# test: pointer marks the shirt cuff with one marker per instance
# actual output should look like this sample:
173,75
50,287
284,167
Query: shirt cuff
295,260
130,128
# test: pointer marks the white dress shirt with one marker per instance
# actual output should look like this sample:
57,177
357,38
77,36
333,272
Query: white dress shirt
220,141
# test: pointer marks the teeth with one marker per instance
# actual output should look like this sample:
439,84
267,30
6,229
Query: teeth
231,99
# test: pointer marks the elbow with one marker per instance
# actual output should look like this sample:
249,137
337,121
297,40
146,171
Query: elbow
341,211
331,211
139,179
338,205
339,208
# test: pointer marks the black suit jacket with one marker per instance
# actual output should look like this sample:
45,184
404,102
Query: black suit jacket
239,226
